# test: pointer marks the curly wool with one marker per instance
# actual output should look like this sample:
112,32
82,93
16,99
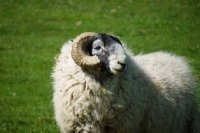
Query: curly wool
155,94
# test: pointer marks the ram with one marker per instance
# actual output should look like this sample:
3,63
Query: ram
100,87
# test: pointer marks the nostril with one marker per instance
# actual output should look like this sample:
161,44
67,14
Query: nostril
122,63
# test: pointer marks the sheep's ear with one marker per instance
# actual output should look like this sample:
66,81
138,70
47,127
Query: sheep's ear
79,51
115,38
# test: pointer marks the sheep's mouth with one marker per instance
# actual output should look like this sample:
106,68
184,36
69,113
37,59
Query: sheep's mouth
119,68
117,71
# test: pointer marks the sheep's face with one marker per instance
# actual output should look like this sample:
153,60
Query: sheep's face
110,52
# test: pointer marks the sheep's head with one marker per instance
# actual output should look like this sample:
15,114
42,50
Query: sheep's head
92,50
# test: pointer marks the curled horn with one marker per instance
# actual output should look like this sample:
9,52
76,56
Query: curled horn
79,51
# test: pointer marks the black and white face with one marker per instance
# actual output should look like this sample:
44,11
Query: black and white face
110,52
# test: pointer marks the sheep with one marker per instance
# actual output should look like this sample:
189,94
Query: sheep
100,87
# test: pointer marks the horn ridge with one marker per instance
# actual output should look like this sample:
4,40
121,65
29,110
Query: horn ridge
79,53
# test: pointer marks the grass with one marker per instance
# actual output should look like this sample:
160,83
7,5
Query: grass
32,32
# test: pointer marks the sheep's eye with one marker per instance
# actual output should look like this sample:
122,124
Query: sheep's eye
97,48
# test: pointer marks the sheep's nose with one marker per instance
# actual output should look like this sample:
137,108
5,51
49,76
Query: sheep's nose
123,64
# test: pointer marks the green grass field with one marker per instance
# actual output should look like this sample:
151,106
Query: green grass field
32,33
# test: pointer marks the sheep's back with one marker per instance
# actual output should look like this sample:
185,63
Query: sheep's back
167,71
172,91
